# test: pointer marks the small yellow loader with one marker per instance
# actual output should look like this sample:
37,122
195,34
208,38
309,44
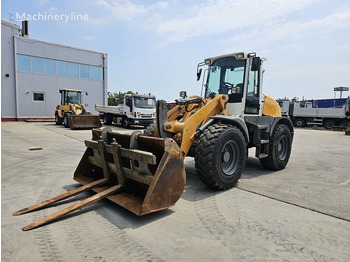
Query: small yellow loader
72,113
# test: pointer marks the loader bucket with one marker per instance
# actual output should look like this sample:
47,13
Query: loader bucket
84,122
142,174
150,169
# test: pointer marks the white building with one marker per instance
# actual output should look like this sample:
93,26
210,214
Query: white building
33,71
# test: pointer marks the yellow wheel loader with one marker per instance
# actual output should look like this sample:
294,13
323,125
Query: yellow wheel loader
233,116
145,173
72,113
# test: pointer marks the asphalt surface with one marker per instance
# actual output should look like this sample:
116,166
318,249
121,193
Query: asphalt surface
301,213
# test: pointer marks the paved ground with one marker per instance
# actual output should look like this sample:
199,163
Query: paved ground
301,213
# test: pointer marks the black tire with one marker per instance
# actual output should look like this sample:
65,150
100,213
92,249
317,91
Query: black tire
66,120
125,123
220,156
107,120
280,147
58,120
149,131
329,123
299,122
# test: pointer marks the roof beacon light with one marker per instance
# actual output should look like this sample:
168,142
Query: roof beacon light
240,56
207,61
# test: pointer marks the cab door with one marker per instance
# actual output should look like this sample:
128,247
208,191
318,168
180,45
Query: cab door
252,103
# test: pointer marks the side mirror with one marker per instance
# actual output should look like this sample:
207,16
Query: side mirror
86,93
256,62
199,73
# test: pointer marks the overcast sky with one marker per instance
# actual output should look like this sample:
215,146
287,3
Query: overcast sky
155,46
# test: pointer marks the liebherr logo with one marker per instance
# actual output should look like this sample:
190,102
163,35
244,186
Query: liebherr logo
73,16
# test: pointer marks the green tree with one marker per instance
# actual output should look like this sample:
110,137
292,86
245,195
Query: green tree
114,98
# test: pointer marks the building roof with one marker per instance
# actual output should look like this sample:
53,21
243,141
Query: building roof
10,24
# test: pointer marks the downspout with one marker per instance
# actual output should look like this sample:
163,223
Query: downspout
16,76
104,57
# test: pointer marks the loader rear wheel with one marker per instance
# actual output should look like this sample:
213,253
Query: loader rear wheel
220,156
66,120
279,148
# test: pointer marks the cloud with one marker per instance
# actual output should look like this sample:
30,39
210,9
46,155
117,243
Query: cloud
269,21
41,2
294,31
126,10
123,9
218,16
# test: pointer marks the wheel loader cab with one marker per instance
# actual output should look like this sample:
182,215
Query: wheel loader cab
70,97
239,76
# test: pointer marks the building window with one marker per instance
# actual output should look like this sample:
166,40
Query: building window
37,65
50,67
96,73
38,96
62,68
23,63
73,70
84,71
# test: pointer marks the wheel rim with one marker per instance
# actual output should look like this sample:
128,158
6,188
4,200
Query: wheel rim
283,148
56,118
65,120
299,123
329,124
229,157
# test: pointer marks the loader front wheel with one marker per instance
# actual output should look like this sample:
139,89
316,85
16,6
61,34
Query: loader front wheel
66,120
220,156
58,120
279,148
149,130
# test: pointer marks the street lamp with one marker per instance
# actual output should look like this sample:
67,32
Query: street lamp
341,89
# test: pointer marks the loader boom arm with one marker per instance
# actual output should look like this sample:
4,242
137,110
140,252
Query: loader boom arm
194,116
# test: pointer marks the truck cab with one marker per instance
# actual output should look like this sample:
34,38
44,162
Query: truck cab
133,109
138,110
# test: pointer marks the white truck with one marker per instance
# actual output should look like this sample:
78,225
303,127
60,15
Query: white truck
134,109
306,113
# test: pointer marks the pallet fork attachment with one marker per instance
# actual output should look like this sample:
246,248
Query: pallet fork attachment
142,174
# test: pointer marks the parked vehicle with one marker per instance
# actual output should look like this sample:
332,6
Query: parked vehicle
134,109
307,113
72,113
